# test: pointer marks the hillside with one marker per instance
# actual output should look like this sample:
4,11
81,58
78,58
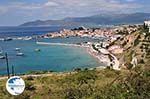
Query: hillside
136,44
101,19
85,84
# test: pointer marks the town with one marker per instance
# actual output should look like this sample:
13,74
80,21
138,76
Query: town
105,51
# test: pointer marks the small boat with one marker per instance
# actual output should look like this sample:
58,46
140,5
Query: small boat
17,49
2,57
19,54
27,38
37,50
46,37
8,39
19,38
2,39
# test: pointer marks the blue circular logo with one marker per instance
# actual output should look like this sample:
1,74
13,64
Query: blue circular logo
15,85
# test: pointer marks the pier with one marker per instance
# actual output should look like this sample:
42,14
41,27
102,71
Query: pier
61,44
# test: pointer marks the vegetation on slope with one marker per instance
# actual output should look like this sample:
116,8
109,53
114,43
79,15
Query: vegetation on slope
86,84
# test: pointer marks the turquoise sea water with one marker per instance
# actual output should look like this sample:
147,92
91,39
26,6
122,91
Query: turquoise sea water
55,58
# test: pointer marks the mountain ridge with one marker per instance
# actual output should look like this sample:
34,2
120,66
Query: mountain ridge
100,19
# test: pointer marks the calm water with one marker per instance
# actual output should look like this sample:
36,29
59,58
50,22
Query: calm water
56,58
27,31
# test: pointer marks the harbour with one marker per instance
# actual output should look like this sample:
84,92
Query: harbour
27,55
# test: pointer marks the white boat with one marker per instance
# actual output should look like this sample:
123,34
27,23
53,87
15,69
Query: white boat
46,37
2,39
2,57
17,49
19,38
37,50
19,54
8,39
27,38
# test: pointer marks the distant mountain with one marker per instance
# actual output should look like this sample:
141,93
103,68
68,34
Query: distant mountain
101,19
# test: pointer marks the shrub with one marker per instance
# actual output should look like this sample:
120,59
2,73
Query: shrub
77,69
129,66
29,86
29,78
142,61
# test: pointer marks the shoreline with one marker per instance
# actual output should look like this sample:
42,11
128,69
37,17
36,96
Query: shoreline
93,53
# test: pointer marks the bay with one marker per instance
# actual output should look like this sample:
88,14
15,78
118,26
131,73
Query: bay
54,58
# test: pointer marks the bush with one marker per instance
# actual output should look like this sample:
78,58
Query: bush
84,77
77,69
29,78
129,66
29,86
136,42
142,61
147,73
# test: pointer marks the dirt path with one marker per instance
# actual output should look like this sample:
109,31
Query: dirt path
40,75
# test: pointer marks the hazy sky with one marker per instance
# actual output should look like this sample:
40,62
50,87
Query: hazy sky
15,12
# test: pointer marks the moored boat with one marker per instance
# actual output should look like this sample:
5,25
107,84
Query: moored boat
17,49
8,39
37,50
2,57
2,39
20,54
27,38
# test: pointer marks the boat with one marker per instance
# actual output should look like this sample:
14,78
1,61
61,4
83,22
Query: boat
8,39
2,57
20,54
2,39
27,38
17,49
20,38
46,37
37,50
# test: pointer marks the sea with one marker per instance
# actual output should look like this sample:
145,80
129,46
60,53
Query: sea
52,58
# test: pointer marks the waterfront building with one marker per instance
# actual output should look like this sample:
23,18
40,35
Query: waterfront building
147,23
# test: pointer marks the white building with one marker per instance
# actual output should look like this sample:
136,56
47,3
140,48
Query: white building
104,51
147,23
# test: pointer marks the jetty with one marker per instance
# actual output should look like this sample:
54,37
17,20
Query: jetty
61,44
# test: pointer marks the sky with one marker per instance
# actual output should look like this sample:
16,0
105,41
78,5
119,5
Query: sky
16,12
